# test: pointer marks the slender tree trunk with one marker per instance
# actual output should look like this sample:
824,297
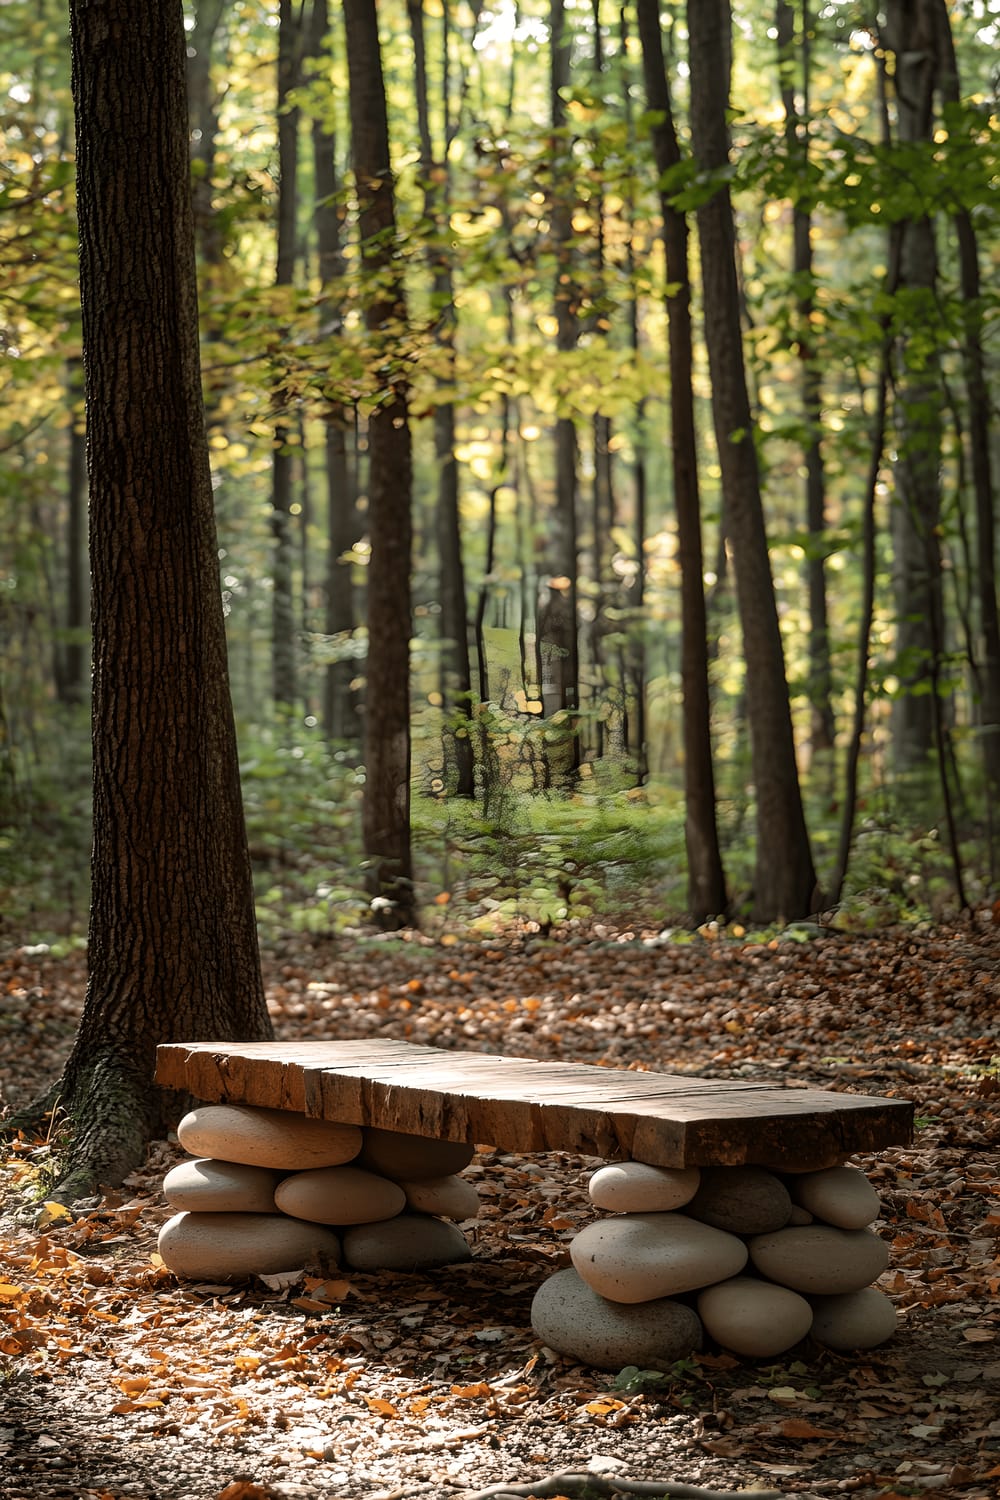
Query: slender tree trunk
73,677
986,669
386,805
203,114
916,513
557,611
284,626
784,879
797,122
341,721
456,671
172,942
706,879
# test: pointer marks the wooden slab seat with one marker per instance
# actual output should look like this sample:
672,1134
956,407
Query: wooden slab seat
521,1105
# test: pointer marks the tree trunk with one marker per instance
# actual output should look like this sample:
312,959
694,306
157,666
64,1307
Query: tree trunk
341,721
557,610
706,878
386,805
203,117
916,512
456,670
820,684
284,626
784,878
986,668
73,677
172,944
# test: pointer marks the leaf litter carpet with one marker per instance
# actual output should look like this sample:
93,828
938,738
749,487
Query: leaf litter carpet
117,1381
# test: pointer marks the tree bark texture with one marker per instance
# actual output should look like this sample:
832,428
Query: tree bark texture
784,878
706,879
820,683
386,803
916,509
172,942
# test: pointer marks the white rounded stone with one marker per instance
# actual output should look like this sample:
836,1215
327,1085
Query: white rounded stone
339,1195
741,1200
640,1257
448,1197
842,1196
210,1186
267,1137
411,1242
754,1318
232,1247
568,1316
411,1158
634,1187
856,1320
819,1259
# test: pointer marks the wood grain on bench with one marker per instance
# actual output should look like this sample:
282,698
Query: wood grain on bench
670,1120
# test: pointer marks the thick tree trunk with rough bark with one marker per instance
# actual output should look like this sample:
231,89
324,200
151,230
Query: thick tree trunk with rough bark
784,877
172,943
706,879
386,806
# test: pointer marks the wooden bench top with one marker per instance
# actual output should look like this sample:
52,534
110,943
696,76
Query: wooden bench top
520,1105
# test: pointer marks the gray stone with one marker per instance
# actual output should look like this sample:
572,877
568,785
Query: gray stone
411,1242
210,1186
233,1247
842,1196
820,1260
267,1137
570,1317
411,1158
855,1320
633,1187
754,1318
741,1200
448,1197
339,1195
640,1257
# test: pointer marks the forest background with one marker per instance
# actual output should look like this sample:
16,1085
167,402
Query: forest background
583,605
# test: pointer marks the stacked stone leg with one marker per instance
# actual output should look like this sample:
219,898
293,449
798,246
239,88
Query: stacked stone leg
270,1191
754,1260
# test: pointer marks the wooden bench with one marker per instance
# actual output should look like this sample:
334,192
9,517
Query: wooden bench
666,1120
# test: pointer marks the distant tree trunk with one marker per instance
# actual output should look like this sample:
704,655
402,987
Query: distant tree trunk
557,612
916,512
456,670
284,628
820,684
386,806
172,943
784,878
341,719
980,406
706,878
203,116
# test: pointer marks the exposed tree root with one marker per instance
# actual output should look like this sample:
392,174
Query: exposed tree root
584,1485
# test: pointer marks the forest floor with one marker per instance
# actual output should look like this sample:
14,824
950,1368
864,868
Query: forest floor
116,1380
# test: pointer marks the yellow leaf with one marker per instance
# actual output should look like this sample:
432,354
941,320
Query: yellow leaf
9,1292
52,1213
381,1408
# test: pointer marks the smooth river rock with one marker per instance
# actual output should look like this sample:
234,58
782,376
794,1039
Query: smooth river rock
842,1196
267,1137
754,1318
448,1197
741,1200
640,1257
411,1158
820,1260
634,1187
857,1320
339,1195
210,1186
571,1318
411,1242
233,1247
